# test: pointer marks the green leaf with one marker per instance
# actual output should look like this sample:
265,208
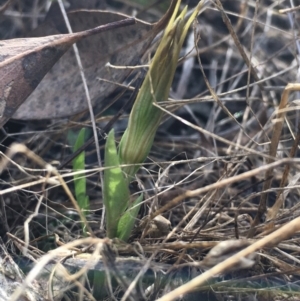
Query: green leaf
143,123
80,180
116,192
128,219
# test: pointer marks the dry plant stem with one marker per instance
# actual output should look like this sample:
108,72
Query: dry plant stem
72,279
250,67
4,215
108,258
54,180
218,185
272,213
154,252
289,10
210,134
215,96
20,148
177,245
236,40
223,183
33,274
5,6
242,15
234,283
251,51
272,154
31,216
271,240
34,252
88,98
80,288
88,265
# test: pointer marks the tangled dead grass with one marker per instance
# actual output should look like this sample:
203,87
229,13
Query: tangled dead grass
224,168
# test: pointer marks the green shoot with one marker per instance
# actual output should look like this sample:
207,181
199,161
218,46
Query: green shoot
80,180
144,121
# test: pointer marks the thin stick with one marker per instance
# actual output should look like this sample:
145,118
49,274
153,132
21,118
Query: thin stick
262,207
273,239
88,98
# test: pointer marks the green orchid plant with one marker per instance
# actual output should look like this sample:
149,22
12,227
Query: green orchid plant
144,120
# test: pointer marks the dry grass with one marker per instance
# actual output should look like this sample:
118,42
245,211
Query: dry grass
224,166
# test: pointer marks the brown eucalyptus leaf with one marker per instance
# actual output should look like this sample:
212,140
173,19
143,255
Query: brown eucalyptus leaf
24,62
61,92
